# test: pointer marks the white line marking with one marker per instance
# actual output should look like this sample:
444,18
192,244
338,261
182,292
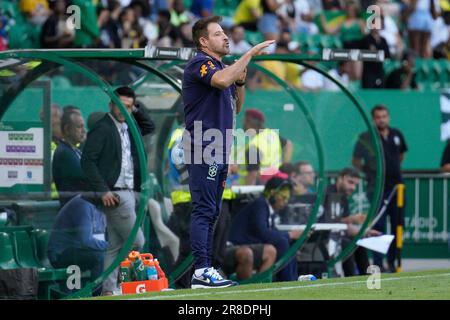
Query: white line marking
334,284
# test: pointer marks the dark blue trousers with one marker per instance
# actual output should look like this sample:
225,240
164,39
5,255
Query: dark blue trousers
289,271
206,184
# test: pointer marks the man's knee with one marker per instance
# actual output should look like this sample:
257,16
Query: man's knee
244,255
269,253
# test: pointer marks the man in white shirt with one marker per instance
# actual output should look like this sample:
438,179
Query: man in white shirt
340,74
111,166
299,16
237,43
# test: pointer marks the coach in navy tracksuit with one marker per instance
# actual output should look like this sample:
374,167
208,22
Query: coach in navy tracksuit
255,224
212,93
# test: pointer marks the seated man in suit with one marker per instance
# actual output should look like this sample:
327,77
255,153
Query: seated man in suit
255,223
78,238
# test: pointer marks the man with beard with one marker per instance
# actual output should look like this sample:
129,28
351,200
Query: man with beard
394,148
212,94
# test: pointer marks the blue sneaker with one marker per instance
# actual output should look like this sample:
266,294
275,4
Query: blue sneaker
211,278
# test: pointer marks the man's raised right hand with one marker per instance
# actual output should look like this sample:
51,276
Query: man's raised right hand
258,49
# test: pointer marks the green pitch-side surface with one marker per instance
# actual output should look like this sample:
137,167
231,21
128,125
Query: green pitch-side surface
408,285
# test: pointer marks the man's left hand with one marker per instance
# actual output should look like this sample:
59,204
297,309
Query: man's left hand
373,233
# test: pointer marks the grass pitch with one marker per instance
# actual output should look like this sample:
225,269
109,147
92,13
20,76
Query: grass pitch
430,285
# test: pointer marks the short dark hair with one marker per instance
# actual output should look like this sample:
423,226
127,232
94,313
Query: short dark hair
288,168
126,92
350,172
299,164
378,107
66,118
234,27
71,108
200,29
276,183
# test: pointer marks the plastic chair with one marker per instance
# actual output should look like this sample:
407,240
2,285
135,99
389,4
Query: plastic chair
7,260
40,238
253,37
24,250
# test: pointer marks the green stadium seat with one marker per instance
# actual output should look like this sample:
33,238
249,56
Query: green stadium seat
421,73
225,8
253,37
325,41
306,41
445,76
428,74
7,260
40,238
390,65
24,250
25,255
337,43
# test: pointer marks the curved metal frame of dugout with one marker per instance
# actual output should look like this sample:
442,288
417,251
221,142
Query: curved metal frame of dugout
72,60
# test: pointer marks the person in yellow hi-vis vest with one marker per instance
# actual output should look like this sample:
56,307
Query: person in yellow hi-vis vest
56,114
266,151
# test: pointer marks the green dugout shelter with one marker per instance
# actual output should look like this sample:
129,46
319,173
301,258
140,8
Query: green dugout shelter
31,81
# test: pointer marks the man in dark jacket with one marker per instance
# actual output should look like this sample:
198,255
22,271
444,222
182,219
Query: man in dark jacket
373,72
111,165
78,238
255,223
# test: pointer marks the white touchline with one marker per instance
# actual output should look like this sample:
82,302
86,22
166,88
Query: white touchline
334,284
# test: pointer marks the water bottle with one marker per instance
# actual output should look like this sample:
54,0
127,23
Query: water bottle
307,277
152,273
138,266
160,271
125,274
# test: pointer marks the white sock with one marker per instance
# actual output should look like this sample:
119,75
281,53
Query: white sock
199,272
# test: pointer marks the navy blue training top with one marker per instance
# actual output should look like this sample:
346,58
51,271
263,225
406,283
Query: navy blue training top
203,102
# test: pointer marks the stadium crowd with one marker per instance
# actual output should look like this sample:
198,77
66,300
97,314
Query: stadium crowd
406,30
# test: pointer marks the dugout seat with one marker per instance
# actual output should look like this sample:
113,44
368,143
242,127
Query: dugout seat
40,239
24,252
7,260
253,37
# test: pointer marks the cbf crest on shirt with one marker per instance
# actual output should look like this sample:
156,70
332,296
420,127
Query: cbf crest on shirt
203,102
